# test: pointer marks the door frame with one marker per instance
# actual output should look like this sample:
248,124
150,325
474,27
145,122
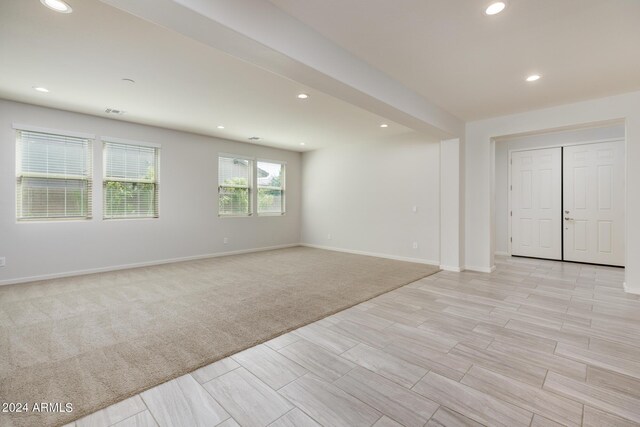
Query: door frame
542,147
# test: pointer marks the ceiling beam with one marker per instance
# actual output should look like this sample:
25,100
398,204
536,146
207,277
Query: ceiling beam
260,33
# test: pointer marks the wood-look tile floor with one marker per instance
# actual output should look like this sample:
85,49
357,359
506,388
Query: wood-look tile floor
536,343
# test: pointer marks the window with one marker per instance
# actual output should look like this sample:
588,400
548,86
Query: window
130,181
270,188
234,186
237,177
53,176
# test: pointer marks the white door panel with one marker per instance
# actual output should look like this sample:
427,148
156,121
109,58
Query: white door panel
594,203
536,203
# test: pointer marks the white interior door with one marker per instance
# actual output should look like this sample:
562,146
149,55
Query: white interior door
594,203
536,203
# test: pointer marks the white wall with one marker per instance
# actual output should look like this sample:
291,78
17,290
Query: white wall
479,159
452,205
363,196
557,139
188,226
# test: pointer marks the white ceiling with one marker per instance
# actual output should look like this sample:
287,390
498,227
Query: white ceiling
180,83
474,65
201,63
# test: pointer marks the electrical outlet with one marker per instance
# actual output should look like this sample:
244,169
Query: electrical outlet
225,240
414,209
415,245
328,236
2,261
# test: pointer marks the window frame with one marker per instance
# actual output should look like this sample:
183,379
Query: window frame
282,187
156,182
87,178
250,185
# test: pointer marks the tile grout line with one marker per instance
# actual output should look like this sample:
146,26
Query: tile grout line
334,385
213,397
149,409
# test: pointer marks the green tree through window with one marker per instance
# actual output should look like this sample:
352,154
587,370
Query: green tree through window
130,184
271,188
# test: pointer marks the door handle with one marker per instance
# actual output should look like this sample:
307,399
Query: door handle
566,218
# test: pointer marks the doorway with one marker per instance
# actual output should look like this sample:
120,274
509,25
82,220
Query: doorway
567,203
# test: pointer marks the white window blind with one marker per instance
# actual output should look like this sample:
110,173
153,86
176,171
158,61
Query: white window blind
234,186
130,181
53,176
270,188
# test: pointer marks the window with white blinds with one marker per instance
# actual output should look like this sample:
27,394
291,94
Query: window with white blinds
53,176
234,186
270,188
130,181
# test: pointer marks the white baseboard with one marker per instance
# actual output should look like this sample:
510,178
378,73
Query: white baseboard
204,256
450,268
481,269
630,291
140,264
501,253
375,254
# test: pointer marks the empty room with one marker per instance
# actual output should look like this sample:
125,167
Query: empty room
319,213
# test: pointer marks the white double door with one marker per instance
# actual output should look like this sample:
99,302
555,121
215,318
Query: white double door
569,205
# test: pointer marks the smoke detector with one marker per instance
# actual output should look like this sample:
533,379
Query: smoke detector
114,111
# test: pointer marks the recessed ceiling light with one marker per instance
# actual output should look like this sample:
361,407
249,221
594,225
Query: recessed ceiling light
533,77
41,89
495,8
254,138
302,96
384,125
57,5
220,127
302,143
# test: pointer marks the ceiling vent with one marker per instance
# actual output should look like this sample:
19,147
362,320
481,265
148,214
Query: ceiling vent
114,111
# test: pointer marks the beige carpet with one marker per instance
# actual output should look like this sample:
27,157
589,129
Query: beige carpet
94,340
